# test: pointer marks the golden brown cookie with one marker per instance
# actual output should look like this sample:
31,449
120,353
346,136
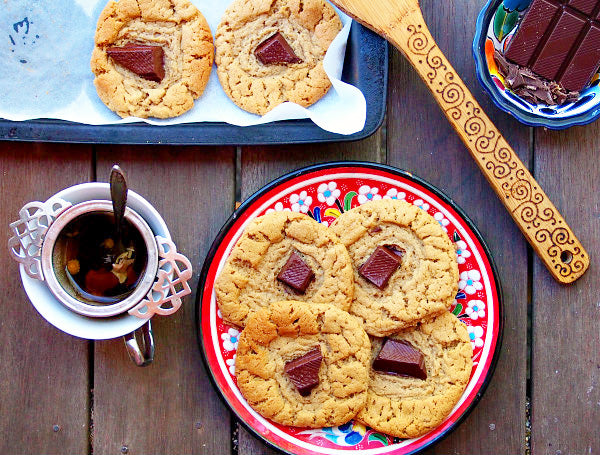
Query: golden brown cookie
308,26
425,283
182,32
408,407
248,281
287,330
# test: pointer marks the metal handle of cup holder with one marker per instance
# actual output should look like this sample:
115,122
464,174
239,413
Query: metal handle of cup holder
144,355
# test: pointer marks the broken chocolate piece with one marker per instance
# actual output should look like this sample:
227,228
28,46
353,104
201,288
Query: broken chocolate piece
143,60
296,274
397,250
559,40
401,358
275,50
304,371
533,88
380,266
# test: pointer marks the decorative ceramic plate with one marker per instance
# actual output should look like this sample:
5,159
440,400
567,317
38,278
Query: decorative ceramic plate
496,26
324,192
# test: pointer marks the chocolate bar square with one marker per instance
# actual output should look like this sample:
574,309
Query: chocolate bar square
275,50
304,371
296,273
399,357
559,40
380,266
144,60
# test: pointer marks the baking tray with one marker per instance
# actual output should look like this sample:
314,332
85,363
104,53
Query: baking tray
365,66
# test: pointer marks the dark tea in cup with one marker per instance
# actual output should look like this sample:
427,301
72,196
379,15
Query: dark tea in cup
95,265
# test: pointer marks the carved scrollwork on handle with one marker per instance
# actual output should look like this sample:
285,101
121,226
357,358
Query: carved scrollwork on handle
529,206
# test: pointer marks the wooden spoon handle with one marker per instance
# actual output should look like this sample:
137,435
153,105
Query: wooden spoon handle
534,213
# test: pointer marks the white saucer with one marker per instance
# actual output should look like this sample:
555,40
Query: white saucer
60,316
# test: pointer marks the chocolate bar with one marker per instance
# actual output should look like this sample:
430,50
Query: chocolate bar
401,358
380,266
296,274
143,60
275,50
560,41
304,371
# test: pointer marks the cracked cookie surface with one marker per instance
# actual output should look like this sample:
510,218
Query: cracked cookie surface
183,33
248,281
408,407
426,282
309,27
287,330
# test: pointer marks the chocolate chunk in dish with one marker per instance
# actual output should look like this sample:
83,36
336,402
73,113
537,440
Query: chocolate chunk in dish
531,87
559,42
276,50
401,358
143,60
296,274
304,371
380,266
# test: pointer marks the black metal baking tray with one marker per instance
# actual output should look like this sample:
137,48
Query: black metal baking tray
365,66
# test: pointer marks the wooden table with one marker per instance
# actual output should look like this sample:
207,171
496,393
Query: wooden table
62,395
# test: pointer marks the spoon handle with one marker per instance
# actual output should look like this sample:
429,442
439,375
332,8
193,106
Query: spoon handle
118,194
539,221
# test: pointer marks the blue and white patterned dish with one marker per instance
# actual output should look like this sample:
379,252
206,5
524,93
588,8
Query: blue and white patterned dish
496,24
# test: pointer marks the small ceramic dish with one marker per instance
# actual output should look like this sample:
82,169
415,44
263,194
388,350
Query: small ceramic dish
324,191
496,25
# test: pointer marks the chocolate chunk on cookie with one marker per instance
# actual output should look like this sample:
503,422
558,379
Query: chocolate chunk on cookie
400,357
275,50
145,61
304,371
296,274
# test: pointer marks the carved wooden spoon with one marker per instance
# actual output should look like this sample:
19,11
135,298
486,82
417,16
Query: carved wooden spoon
401,22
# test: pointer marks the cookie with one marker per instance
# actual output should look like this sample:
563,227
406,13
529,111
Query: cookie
180,30
424,283
249,280
307,26
409,407
276,336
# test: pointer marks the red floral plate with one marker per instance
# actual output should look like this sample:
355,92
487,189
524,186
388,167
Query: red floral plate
323,192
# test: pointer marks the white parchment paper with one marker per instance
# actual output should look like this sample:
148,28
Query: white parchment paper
46,50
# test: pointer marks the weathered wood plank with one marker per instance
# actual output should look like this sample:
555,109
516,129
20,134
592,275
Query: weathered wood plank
170,406
566,341
44,394
422,141
260,165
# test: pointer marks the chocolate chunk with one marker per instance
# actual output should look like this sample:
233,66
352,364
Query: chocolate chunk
380,266
397,250
274,50
401,358
296,274
143,60
558,40
304,371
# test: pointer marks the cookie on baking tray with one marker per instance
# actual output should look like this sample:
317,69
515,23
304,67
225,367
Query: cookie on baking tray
269,52
405,268
280,256
417,377
304,364
152,58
